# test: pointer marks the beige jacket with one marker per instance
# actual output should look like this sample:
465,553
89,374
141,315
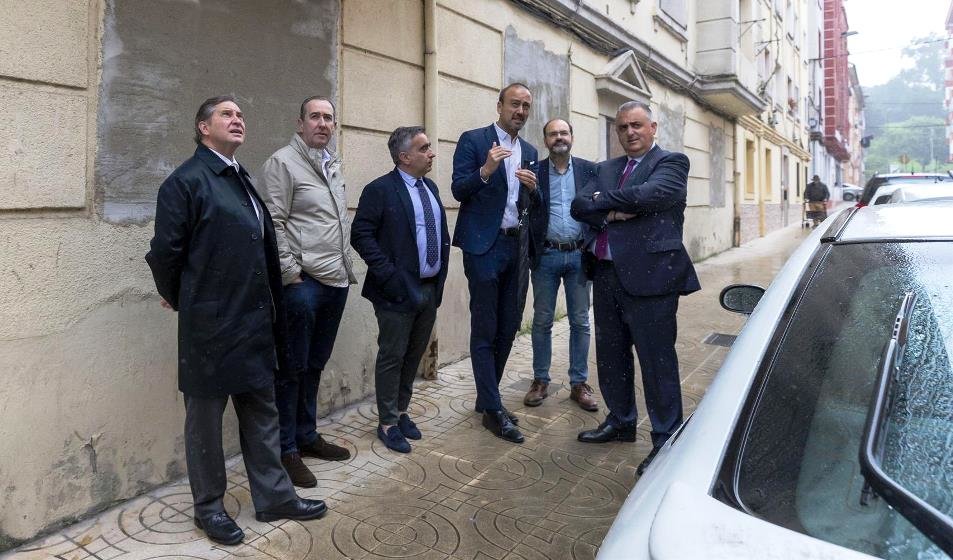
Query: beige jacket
310,214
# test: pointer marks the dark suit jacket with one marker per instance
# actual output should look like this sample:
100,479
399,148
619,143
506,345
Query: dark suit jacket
210,263
481,205
647,250
384,233
582,171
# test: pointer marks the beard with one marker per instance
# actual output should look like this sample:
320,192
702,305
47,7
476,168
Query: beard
560,149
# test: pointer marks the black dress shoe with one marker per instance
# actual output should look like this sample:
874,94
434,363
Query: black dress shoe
607,432
499,423
299,509
513,418
647,461
221,528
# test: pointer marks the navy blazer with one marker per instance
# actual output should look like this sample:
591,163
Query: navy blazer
217,265
384,233
481,205
582,171
647,250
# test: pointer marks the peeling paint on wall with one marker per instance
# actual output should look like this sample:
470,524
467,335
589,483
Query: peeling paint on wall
155,76
717,145
671,127
547,75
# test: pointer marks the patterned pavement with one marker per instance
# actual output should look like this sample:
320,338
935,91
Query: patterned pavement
462,494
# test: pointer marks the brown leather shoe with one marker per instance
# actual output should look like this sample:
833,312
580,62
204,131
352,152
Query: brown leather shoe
537,392
300,474
582,394
326,450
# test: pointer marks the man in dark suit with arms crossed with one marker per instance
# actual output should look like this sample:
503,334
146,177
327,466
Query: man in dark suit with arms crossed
494,181
635,206
400,230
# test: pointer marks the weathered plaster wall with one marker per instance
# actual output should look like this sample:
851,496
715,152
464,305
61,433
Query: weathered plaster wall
96,106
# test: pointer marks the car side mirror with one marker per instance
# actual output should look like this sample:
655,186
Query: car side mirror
741,298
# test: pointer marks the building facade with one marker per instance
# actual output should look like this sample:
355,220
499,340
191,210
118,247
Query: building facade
98,98
772,144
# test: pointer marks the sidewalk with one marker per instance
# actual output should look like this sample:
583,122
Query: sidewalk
462,493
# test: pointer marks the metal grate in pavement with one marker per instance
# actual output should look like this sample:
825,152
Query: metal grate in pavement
720,339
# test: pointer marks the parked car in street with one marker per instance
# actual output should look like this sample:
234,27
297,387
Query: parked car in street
929,191
850,193
882,179
828,430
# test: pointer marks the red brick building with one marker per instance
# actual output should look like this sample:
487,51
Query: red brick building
948,81
836,107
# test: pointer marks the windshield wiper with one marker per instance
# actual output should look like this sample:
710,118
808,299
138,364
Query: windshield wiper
933,523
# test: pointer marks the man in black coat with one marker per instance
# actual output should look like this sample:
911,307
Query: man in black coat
400,230
214,260
635,206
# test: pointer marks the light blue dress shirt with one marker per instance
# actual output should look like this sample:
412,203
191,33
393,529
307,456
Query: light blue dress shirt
421,225
562,189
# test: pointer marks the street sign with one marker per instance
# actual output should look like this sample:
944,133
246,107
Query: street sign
904,159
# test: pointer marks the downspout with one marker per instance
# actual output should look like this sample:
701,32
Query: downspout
428,365
431,78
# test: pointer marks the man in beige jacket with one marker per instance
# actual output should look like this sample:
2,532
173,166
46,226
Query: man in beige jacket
303,187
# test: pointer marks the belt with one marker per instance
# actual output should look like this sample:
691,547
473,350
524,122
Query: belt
510,231
430,279
563,245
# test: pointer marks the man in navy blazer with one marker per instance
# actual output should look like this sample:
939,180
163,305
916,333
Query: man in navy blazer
400,230
556,256
635,206
495,182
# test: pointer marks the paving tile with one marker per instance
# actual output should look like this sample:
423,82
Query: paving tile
461,494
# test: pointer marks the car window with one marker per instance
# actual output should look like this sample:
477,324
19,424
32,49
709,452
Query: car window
882,199
796,459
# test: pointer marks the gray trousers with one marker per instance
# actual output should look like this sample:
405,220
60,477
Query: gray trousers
258,432
401,342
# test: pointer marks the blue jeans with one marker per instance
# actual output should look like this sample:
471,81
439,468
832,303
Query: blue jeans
555,265
314,313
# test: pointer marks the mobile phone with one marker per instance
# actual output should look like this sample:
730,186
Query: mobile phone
529,164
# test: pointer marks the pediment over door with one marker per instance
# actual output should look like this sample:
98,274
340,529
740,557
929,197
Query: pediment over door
622,80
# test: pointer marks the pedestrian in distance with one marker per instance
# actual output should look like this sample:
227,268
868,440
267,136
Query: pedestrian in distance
635,207
556,257
494,180
816,195
215,261
303,189
400,230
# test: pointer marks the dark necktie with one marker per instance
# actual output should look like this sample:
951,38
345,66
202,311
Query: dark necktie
602,240
429,221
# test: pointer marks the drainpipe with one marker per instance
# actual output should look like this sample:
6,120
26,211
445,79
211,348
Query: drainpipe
428,365
431,78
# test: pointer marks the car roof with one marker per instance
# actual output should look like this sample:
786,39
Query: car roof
896,175
912,191
918,220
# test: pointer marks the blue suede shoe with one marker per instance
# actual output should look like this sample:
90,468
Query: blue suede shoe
407,427
393,439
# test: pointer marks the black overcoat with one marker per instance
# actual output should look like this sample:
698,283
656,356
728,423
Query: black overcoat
217,265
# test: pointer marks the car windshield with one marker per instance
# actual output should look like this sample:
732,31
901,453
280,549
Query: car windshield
796,462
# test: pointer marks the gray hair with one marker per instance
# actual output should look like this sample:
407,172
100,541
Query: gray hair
205,112
630,105
400,140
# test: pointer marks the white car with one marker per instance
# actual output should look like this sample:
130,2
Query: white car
828,430
925,191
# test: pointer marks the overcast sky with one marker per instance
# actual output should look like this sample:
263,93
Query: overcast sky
883,28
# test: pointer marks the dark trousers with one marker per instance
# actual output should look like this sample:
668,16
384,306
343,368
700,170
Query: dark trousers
258,433
648,323
496,307
401,341
314,313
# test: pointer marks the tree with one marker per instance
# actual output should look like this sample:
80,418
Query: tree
912,138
